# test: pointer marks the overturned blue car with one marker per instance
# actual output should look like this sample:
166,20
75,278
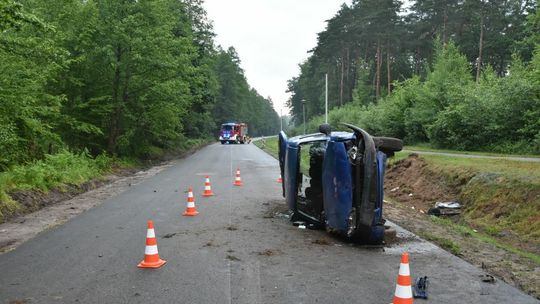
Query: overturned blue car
335,180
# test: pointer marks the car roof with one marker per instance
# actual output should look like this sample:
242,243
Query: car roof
336,136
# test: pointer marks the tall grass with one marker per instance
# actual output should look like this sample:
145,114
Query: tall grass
68,168
54,171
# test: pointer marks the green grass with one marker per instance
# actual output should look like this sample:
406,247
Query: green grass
469,232
496,204
443,242
68,168
498,195
460,229
428,148
399,156
455,165
55,171
509,168
269,145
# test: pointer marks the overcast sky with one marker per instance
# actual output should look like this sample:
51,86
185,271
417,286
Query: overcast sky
271,37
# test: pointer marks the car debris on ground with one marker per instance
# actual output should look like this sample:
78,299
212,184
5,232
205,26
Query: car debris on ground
445,209
487,278
420,287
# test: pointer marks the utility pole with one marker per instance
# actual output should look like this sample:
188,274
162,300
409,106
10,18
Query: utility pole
326,100
281,119
304,113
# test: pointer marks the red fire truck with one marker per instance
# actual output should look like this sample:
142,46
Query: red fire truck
234,133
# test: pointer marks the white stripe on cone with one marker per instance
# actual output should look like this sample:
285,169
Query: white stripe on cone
404,270
190,194
206,187
150,233
150,250
403,292
190,204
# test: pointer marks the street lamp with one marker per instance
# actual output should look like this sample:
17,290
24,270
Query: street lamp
304,113
281,119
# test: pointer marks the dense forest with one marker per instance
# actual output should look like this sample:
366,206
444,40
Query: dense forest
458,74
131,78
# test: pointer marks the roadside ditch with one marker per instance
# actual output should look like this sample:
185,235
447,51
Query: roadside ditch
497,229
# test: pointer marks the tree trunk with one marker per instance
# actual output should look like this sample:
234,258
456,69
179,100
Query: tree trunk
127,78
342,78
115,116
480,47
347,75
417,68
378,71
388,72
445,20
366,54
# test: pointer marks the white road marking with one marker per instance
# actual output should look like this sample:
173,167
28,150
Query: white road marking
230,216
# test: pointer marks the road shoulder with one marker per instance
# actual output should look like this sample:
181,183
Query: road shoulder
18,230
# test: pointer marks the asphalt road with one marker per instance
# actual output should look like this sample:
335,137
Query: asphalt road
239,249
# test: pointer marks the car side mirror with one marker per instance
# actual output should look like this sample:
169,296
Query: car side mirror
325,129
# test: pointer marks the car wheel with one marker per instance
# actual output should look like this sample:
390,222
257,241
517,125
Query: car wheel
388,144
222,142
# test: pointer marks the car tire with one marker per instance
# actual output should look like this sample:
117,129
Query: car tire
388,144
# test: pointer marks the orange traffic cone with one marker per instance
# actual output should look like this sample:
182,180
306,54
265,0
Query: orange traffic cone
403,294
280,180
238,180
151,255
207,188
190,209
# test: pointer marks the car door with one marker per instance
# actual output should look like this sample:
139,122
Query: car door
365,189
337,185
